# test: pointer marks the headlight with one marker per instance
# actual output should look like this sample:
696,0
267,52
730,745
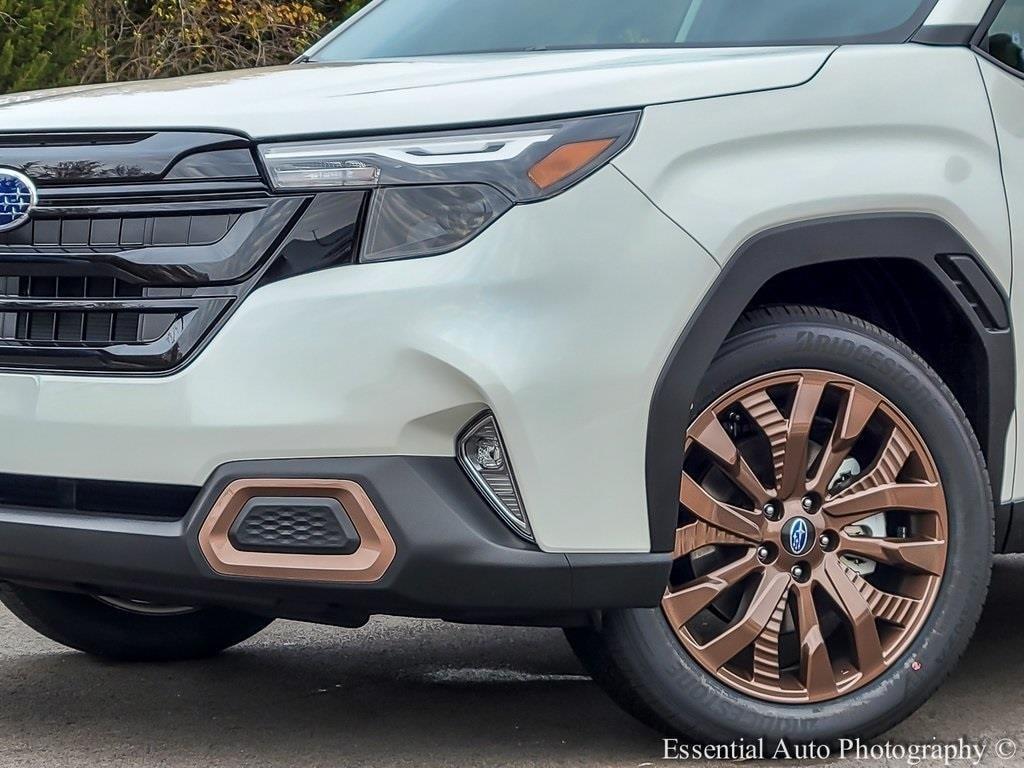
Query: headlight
435,192
425,221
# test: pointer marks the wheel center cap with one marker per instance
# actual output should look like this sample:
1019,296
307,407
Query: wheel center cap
798,536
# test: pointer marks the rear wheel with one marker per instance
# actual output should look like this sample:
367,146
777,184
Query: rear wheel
834,543
129,630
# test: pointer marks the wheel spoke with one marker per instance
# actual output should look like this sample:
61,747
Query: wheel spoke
726,517
692,537
916,554
801,419
891,460
773,424
788,437
915,497
815,664
856,411
709,433
724,648
682,605
766,647
867,644
895,609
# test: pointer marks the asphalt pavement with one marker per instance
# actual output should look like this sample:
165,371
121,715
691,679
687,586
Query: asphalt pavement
410,693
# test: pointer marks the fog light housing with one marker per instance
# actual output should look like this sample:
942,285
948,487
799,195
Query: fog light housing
483,456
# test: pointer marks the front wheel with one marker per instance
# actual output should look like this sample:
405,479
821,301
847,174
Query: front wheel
129,630
834,543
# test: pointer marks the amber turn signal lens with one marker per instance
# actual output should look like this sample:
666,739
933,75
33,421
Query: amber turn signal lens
566,160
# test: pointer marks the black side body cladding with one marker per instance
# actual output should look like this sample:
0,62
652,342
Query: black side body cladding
922,238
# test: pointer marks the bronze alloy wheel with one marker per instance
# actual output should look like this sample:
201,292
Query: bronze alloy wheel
812,540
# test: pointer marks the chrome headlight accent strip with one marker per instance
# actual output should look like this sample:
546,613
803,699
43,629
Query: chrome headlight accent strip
502,157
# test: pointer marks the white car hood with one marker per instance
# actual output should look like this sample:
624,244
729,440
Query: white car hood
364,97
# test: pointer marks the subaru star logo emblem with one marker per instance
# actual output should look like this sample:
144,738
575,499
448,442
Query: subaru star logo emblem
17,198
796,536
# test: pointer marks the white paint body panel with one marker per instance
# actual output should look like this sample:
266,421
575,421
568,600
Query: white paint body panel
559,318
958,12
725,169
413,93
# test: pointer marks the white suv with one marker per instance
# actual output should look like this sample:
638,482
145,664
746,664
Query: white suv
684,325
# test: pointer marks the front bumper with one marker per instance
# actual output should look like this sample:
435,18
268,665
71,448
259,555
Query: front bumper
453,558
558,319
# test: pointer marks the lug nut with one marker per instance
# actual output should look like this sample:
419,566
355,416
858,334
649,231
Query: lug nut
798,572
808,503
771,511
825,541
763,554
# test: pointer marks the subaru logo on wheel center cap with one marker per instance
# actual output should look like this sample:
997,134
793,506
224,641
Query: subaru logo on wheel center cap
797,536
18,197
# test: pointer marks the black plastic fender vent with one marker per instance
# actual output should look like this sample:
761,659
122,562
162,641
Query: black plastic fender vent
976,286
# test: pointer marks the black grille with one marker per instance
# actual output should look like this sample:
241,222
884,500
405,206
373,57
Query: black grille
56,287
72,496
312,526
121,232
84,327
142,244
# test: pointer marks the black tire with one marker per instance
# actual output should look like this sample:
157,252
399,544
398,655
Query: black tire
636,655
87,624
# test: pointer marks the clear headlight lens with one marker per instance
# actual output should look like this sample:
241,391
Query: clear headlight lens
527,162
434,192
407,222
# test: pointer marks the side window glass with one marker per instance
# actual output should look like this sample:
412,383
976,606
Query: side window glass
1005,39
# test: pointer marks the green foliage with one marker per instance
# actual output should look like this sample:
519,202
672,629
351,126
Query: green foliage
337,12
39,42
173,37
46,43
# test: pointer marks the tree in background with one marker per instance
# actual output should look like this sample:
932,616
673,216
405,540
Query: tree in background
340,11
39,42
172,37
55,42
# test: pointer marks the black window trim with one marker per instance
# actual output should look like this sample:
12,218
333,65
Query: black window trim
982,32
949,35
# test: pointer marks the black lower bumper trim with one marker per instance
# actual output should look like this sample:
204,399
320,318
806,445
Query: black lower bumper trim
454,560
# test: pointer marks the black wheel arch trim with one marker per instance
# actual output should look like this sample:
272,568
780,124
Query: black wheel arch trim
923,238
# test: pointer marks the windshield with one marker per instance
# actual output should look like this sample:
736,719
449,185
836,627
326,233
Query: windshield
400,28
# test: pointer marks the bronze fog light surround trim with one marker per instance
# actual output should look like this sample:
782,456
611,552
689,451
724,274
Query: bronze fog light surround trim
841,601
367,564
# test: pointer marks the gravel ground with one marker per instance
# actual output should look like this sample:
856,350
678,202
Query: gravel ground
400,692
